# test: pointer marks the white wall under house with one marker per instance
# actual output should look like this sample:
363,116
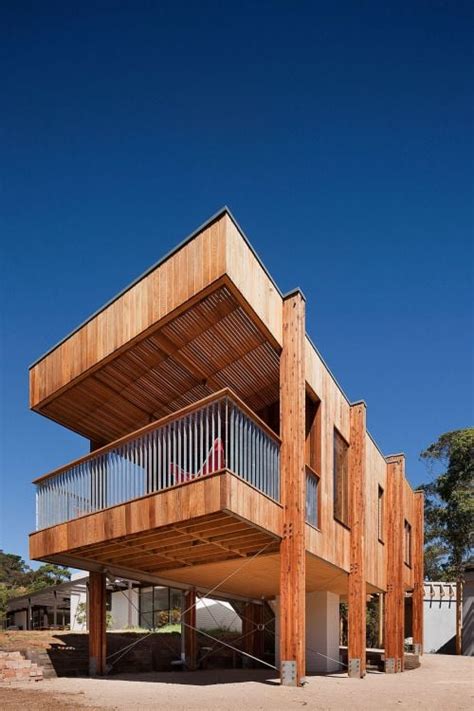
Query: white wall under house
439,609
322,632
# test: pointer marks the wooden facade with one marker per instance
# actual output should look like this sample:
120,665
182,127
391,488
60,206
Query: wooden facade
209,319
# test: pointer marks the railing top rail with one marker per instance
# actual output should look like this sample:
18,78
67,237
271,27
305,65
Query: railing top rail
172,417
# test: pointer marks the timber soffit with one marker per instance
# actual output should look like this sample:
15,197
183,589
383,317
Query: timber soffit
216,216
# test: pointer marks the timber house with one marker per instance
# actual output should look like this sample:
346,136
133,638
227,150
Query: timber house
225,459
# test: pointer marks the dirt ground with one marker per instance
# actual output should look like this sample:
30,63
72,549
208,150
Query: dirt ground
443,682
36,639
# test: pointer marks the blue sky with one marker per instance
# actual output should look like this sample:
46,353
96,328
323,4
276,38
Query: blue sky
340,135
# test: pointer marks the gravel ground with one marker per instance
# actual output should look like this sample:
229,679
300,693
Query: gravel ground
28,697
443,682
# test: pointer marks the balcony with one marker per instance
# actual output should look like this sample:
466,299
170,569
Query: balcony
219,433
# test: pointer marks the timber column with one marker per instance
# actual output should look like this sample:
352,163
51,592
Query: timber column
293,492
357,591
97,624
394,597
418,573
253,630
189,629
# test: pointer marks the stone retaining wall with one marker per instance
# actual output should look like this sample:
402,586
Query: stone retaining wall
14,667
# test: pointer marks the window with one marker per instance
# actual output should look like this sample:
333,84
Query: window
312,456
159,606
380,514
313,432
407,544
341,479
312,498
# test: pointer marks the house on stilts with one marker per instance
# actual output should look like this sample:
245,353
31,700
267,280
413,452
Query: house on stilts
224,457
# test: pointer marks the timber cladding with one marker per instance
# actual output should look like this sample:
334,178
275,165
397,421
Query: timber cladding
215,253
375,547
210,317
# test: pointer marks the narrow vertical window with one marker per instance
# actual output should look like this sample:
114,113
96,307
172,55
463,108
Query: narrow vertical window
380,514
407,544
312,457
313,432
341,479
312,498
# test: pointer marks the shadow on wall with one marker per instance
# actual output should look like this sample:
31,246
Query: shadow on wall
68,654
448,647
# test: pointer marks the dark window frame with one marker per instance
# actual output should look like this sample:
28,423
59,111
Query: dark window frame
381,514
407,544
310,473
154,607
341,509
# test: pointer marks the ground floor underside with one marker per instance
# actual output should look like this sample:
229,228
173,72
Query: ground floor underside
217,536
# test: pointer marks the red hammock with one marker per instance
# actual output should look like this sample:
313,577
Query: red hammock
214,461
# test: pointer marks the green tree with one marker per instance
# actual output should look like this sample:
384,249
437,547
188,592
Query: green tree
449,503
4,595
49,574
14,572
17,578
449,509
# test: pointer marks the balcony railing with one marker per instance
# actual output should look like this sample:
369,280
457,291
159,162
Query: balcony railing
217,433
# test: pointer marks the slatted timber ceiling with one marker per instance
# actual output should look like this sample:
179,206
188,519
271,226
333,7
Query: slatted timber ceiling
213,344
214,538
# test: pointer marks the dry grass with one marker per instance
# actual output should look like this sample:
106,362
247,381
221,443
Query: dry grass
12,641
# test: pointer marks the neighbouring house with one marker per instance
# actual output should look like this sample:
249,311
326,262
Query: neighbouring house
226,457
129,604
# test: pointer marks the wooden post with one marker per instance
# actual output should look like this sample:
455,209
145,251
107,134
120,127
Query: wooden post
189,629
459,593
97,624
129,604
357,597
380,638
259,631
293,492
394,597
252,629
418,574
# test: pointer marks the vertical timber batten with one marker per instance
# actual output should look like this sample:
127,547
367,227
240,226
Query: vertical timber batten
418,573
394,597
357,587
293,483
97,624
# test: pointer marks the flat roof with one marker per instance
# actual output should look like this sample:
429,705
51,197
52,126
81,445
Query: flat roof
225,210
